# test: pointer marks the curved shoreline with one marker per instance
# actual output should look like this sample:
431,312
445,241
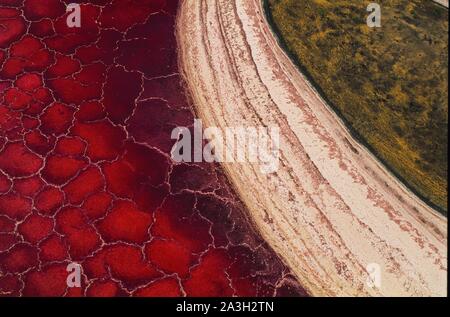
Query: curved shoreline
351,130
329,211
443,3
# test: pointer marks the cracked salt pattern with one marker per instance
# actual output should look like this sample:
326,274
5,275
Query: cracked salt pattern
85,172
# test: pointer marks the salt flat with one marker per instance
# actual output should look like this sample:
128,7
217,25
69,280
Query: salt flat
331,210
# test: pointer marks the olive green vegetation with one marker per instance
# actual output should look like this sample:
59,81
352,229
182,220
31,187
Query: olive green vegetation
388,84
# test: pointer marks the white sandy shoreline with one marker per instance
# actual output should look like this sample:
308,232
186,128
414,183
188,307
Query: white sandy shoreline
442,2
329,211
